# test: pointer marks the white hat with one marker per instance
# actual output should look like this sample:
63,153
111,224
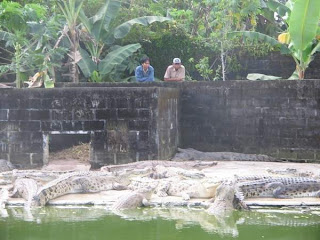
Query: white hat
176,60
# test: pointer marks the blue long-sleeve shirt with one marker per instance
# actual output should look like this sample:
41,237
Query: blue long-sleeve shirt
142,76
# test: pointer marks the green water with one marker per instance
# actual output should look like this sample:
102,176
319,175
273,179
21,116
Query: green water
154,224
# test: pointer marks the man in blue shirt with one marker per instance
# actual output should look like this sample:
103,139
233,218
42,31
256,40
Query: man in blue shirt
144,72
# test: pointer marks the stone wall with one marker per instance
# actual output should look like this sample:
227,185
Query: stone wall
274,64
278,118
132,122
123,123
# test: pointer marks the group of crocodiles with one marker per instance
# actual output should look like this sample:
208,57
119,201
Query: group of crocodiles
146,179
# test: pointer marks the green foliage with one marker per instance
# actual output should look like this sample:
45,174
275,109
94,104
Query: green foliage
14,17
301,39
99,33
16,33
204,69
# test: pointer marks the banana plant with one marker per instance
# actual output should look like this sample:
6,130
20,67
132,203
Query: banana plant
300,39
98,36
71,10
15,32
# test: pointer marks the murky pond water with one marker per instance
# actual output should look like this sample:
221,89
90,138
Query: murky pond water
62,223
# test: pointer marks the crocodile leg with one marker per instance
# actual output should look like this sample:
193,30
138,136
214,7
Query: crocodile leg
279,188
163,188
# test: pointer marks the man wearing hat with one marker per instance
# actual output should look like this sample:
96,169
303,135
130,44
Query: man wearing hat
175,72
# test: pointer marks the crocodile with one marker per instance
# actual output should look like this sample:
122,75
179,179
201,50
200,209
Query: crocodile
133,199
167,172
280,187
226,200
26,188
79,182
42,176
177,186
153,163
187,188
192,154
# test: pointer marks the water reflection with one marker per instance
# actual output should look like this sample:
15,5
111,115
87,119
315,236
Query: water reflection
181,218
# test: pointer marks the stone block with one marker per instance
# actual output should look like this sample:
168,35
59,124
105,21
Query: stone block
35,147
16,115
51,126
59,114
31,103
51,103
4,155
9,103
122,103
4,147
93,125
127,114
83,114
95,102
36,159
4,114
43,115
30,126
22,160
36,137
139,125
6,126
104,114
111,103
144,114
18,137
73,102
72,125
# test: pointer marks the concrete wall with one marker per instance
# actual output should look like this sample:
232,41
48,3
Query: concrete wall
131,122
279,118
274,64
122,122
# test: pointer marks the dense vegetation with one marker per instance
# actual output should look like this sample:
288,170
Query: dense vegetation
102,40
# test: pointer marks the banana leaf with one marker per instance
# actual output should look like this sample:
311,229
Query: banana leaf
117,57
102,20
86,64
303,23
258,76
279,8
261,37
123,29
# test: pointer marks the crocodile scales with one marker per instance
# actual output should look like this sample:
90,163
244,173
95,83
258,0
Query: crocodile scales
153,163
280,188
78,182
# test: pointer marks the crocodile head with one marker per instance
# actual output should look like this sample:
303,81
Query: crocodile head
223,203
36,202
211,187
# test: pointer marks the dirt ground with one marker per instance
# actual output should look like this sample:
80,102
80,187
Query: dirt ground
75,158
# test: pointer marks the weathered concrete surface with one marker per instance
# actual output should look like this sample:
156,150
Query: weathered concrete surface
278,118
223,170
122,124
